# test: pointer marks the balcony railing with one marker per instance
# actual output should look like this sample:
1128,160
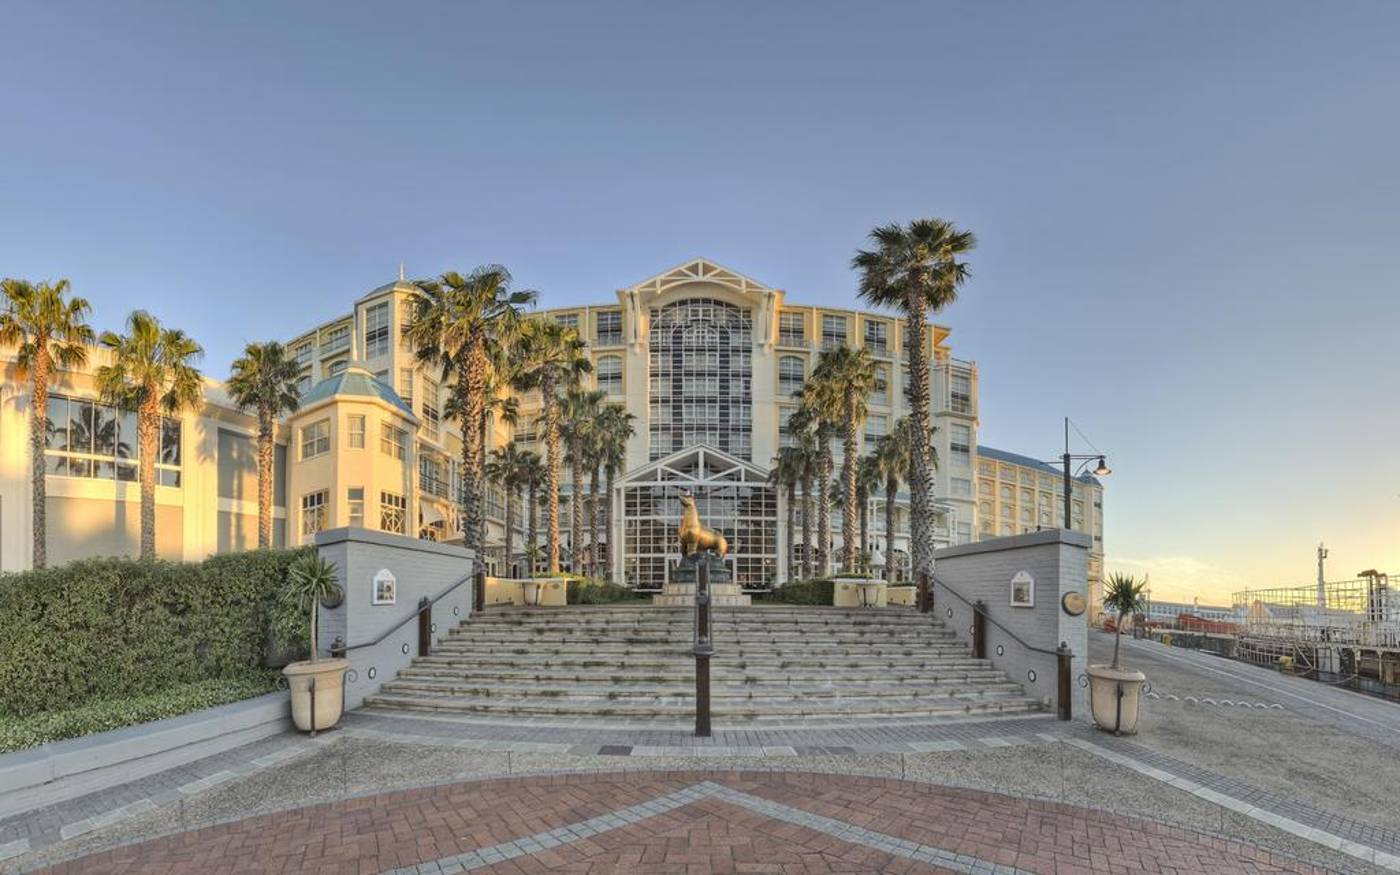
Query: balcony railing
433,484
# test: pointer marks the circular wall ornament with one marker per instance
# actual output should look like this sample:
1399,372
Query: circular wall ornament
433,628
372,672
1073,603
1001,651
456,611
1030,675
405,648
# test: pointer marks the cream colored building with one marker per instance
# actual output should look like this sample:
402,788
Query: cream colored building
707,361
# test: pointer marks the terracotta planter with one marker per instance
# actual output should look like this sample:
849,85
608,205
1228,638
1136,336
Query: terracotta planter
1115,695
328,676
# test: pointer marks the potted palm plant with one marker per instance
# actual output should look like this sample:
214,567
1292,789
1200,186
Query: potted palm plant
317,685
1116,692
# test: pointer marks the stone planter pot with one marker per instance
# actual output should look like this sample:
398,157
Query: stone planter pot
1114,712
328,676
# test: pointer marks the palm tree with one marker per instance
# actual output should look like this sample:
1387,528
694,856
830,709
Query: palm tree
508,467
809,435
46,329
578,412
892,457
153,373
499,405
1124,595
311,580
867,482
265,380
552,359
532,478
839,391
454,325
788,467
915,269
615,428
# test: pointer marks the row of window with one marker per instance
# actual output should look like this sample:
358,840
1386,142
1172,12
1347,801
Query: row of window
85,438
315,511
316,437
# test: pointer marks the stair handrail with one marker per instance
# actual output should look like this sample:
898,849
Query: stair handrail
423,604
980,607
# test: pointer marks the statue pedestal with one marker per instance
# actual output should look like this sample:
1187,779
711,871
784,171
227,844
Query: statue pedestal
680,591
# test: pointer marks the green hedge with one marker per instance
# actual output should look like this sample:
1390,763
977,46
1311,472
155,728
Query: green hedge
17,733
802,592
110,628
600,592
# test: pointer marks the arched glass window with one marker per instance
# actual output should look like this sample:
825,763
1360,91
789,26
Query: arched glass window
701,370
791,374
609,373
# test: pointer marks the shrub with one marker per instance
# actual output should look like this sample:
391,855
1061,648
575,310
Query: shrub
104,714
111,628
802,592
590,591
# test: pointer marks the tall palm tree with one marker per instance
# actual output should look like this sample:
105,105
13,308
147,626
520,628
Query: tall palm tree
813,435
552,359
839,392
786,474
579,410
916,269
454,324
46,329
499,404
265,380
533,478
892,457
615,428
153,373
508,467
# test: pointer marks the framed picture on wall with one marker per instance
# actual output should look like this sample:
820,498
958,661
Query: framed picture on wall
1022,590
385,588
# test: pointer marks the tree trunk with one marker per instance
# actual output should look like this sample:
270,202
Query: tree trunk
510,529
1118,638
473,387
593,520
551,444
147,429
807,550
608,524
314,648
849,547
891,488
788,564
532,535
266,423
921,472
481,470
864,498
824,507
576,510
38,440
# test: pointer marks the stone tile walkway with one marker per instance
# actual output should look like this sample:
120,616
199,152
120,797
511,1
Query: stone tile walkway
687,822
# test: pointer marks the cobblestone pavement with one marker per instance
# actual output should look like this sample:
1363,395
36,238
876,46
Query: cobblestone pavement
688,822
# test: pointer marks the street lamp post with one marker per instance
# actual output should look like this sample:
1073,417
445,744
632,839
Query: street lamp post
1068,459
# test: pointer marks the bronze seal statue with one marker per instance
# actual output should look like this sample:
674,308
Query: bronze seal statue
694,536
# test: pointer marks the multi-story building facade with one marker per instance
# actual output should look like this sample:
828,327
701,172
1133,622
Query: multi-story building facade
1018,494
708,361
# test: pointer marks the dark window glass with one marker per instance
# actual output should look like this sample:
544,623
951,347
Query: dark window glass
169,442
127,471
80,427
57,438
104,430
126,435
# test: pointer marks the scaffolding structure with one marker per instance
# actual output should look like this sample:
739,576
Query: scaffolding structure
1340,629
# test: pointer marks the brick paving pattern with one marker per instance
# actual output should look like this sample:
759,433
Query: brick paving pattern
687,822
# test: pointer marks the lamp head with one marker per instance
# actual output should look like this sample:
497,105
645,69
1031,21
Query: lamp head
1102,470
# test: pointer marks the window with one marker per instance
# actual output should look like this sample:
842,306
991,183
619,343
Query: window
960,443
89,439
962,487
377,330
394,442
406,385
609,327
408,309
1008,473
880,392
700,342
609,373
791,375
568,320
784,431
355,505
355,432
432,415
336,339
382,376
338,367
792,329
1006,493
985,467
393,512
316,438
984,508
833,331
1025,496
313,513
961,393
875,428
302,355
304,384
877,337
984,487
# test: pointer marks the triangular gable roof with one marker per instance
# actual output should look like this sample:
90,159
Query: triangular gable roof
702,270
712,466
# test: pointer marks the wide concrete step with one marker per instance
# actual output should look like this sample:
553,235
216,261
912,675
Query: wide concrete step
679,675
766,693
720,637
728,711
758,654
684,661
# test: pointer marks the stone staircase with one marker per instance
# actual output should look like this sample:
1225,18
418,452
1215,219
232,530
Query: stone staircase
772,663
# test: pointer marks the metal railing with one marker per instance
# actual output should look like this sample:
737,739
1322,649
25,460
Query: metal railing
422,613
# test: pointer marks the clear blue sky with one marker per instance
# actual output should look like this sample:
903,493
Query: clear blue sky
1188,212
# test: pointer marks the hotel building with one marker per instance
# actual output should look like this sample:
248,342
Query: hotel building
708,361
